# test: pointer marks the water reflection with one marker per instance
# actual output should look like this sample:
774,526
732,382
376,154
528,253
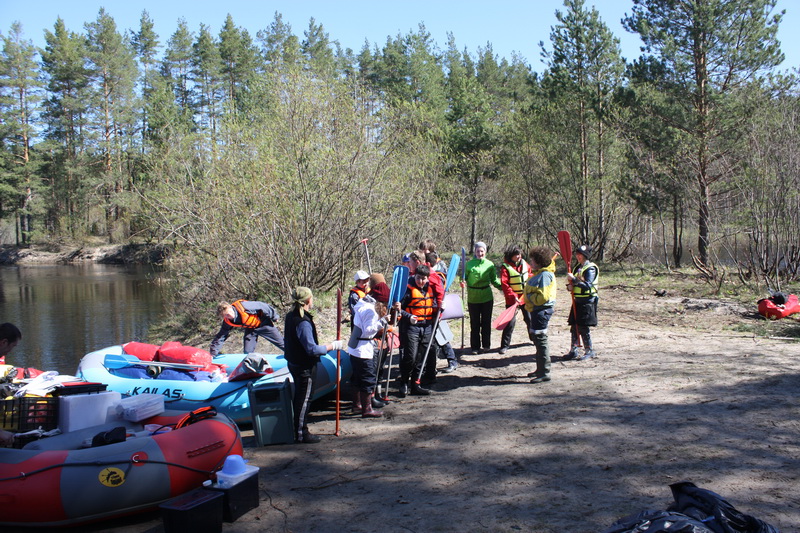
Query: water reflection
65,311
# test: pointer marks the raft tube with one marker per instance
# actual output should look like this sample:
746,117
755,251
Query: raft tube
55,481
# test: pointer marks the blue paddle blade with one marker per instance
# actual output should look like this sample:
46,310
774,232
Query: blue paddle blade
113,361
399,284
452,270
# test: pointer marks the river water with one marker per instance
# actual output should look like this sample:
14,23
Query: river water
66,311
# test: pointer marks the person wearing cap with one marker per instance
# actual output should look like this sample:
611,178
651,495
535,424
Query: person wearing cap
257,319
583,285
360,290
368,322
302,355
480,276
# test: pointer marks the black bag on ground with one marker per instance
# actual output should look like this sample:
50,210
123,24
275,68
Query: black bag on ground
714,510
658,522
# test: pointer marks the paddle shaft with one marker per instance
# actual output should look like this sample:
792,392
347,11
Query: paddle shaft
338,356
121,361
428,349
366,252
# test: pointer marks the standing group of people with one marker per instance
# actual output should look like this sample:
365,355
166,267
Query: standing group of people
529,284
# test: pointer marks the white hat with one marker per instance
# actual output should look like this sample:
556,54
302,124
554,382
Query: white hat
360,275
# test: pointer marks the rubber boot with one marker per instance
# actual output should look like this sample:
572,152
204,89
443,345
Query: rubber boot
542,358
357,408
368,411
377,403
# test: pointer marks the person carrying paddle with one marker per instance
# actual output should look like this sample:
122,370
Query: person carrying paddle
480,275
256,318
302,355
514,272
583,285
10,335
368,322
418,311
540,300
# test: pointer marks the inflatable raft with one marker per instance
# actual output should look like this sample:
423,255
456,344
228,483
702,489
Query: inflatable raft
57,481
779,306
228,397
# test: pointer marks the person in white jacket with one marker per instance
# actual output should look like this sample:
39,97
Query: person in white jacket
369,319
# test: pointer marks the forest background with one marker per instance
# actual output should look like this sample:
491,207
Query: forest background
263,160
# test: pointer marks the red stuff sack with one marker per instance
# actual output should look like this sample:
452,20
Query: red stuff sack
175,352
144,351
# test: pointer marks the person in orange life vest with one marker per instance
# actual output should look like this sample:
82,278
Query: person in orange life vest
10,335
256,318
359,291
368,323
418,311
417,259
302,355
514,272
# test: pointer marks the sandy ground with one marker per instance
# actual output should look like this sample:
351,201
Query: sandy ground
675,394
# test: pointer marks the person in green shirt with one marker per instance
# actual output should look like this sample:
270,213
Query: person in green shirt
480,275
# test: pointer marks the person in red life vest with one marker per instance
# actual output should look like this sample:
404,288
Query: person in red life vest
356,293
256,318
368,323
10,335
418,311
514,272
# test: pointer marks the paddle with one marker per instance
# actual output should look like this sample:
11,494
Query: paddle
452,271
565,247
338,353
463,280
113,361
366,252
505,317
396,293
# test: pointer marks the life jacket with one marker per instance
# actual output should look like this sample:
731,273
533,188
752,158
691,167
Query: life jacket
516,280
358,291
421,304
580,292
249,321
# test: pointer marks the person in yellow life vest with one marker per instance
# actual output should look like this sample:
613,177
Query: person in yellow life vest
514,273
540,300
257,319
356,293
418,312
583,285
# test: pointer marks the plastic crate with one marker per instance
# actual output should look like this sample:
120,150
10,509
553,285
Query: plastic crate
27,413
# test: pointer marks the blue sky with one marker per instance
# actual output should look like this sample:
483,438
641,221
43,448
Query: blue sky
510,26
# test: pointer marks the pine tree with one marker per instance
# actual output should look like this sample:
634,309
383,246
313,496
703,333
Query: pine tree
177,68
65,115
240,63
207,78
145,44
712,50
279,46
19,95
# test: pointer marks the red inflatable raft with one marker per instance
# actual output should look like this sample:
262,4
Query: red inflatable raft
776,306
56,481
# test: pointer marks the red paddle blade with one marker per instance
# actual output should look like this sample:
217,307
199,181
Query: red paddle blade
565,246
505,317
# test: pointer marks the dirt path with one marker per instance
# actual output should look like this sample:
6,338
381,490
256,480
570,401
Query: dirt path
672,396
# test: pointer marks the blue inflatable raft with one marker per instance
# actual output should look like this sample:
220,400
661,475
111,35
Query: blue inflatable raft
229,397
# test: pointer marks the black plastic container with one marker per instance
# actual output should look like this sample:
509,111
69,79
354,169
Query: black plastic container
197,511
240,498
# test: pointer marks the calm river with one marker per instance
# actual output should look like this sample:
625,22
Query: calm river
66,311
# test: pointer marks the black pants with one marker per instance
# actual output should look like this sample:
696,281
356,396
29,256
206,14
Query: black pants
480,325
303,390
416,339
505,340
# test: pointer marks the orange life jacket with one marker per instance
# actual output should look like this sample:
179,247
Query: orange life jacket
359,291
248,321
421,304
